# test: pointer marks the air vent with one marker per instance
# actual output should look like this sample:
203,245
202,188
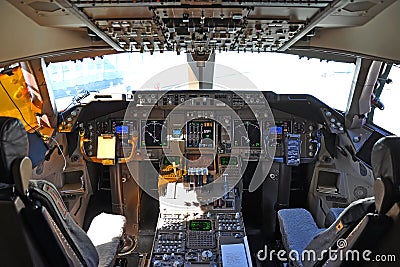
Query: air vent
359,6
44,6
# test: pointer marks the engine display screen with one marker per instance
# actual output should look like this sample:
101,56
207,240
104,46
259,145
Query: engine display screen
154,133
246,133
226,160
200,134
200,225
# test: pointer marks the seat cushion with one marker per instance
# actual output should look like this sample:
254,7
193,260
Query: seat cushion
298,228
105,232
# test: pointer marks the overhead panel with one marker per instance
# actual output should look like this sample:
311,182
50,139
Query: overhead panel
200,26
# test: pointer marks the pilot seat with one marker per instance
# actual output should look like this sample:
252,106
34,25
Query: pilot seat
37,229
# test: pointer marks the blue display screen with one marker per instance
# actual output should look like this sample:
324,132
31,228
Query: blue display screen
121,129
177,133
275,130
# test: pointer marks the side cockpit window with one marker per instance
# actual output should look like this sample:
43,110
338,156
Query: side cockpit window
386,117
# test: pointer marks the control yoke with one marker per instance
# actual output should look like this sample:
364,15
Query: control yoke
109,161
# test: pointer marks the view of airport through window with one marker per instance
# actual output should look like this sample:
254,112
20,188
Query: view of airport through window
280,73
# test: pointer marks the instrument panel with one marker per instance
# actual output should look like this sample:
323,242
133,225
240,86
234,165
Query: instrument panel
204,134
202,123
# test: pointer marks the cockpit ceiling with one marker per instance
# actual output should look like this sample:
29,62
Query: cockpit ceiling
201,26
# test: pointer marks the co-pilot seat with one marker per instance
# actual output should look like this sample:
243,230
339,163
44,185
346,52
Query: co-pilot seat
299,230
365,224
37,229
379,232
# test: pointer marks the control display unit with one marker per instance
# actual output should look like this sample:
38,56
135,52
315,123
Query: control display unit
200,134
154,133
200,225
246,133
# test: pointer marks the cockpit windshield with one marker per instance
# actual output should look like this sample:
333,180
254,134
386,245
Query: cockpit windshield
281,73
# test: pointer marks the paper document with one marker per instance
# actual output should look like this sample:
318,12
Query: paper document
106,147
233,255
171,188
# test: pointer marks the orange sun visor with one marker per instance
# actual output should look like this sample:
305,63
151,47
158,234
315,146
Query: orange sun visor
17,99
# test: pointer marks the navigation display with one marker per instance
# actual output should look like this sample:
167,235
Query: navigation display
246,133
200,134
154,133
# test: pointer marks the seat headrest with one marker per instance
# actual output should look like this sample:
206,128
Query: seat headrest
385,159
13,145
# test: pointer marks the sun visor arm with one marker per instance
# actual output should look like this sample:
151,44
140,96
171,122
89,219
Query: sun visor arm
366,75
